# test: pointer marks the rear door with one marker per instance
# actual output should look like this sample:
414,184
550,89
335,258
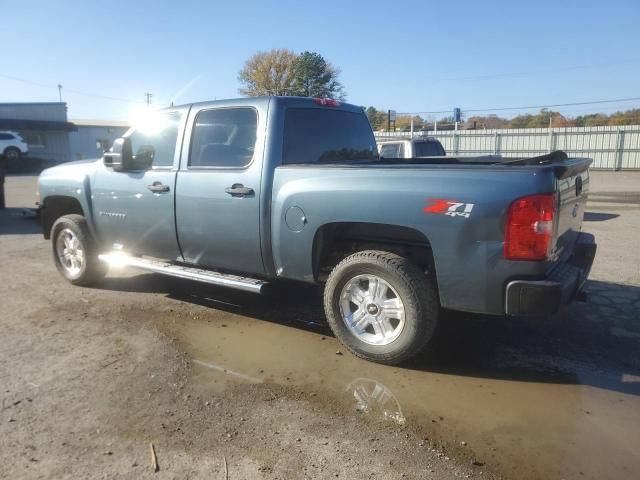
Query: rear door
218,189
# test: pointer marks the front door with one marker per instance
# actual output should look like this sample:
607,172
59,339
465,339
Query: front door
134,211
218,190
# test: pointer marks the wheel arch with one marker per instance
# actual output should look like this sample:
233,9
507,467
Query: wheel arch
334,241
56,206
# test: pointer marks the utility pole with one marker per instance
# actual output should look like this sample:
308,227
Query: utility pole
60,93
148,95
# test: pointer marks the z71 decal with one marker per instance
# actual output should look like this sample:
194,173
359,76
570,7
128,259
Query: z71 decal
453,208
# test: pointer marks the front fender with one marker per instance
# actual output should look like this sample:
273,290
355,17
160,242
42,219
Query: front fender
72,181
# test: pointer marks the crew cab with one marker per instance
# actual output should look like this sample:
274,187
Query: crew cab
416,147
245,193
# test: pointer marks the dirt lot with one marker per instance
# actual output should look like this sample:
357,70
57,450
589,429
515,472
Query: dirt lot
221,381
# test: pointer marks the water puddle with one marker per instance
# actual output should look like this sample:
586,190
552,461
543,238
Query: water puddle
554,399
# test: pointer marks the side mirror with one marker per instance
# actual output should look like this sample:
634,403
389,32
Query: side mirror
119,157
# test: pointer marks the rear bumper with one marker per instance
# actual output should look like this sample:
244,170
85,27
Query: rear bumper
546,296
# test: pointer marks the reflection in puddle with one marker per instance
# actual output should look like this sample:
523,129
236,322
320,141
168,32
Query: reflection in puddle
374,398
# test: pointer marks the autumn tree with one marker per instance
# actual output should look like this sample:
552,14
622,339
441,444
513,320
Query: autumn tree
283,72
269,73
403,122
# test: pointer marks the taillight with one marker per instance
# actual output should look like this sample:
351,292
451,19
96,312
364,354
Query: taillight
529,229
327,102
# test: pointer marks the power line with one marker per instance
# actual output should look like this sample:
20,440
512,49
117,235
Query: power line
532,72
77,92
529,107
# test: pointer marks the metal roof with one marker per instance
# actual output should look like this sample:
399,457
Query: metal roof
94,122
45,125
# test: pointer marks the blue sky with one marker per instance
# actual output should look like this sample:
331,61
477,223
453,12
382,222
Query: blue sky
410,56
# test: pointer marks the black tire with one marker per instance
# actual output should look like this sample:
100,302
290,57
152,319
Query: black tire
12,153
92,269
416,290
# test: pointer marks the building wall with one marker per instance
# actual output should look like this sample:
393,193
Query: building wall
55,147
83,144
50,145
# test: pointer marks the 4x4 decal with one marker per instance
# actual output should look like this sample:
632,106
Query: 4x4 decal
452,208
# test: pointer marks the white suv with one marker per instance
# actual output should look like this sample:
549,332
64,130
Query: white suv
12,146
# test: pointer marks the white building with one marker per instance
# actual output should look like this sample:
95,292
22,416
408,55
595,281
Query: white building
93,137
52,137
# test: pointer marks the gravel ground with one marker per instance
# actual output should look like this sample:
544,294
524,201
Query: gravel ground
90,378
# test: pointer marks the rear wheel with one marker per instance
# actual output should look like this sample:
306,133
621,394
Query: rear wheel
12,153
381,306
74,251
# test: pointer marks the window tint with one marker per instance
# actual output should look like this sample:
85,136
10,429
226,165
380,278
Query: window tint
6,136
392,150
224,137
317,135
157,137
428,149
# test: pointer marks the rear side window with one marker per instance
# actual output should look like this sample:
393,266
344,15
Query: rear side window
428,149
225,137
6,136
317,135
392,150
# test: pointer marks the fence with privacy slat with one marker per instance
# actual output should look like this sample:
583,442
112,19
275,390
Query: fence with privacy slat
612,148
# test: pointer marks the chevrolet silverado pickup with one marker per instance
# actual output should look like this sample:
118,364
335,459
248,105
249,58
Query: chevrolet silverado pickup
244,193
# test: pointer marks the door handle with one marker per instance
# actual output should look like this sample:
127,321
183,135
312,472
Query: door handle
239,190
158,187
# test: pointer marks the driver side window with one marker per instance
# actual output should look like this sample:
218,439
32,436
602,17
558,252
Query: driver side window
156,139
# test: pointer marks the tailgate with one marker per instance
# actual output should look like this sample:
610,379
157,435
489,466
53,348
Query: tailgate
573,188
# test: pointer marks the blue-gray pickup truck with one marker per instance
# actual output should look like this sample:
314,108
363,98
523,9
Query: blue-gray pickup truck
243,193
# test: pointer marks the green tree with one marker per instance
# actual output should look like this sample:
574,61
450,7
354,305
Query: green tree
373,116
269,73
315,77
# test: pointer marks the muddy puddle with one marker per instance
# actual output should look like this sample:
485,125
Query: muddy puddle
554,399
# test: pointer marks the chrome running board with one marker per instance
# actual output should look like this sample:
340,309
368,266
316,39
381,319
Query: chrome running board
119,259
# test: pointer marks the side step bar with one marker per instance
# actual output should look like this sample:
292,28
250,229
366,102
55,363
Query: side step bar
119,259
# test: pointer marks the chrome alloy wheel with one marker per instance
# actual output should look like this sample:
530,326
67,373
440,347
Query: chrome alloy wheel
70,252
372,310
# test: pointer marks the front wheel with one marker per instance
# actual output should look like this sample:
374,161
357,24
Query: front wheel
74,251
381,306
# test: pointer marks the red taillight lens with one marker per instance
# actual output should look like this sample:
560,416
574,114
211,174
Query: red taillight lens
327,102
529,230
